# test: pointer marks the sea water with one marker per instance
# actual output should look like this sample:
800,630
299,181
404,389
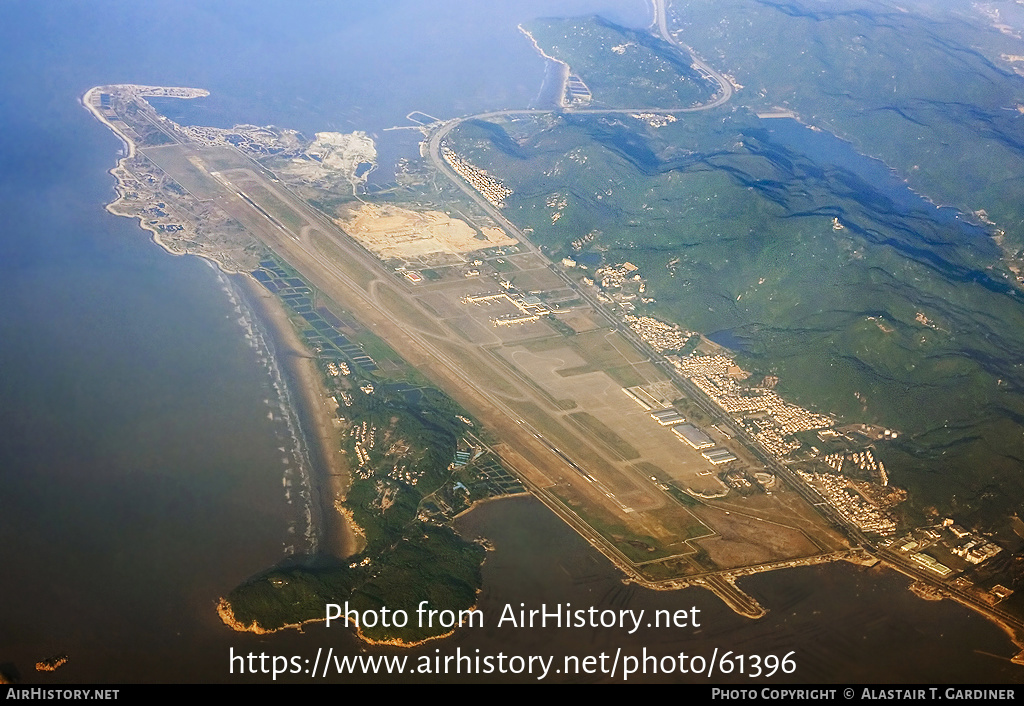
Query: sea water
151,458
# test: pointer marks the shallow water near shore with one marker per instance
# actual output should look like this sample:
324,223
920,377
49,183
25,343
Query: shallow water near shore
835,622
146,463
841,621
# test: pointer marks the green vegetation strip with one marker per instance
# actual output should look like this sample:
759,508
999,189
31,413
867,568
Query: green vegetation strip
600,431
405,310
636,547
343,260
401,441
277,208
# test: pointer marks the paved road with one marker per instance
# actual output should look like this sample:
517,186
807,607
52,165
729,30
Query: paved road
725,85
724,94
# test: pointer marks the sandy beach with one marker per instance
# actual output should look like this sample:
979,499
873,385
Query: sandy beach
331,483
330,479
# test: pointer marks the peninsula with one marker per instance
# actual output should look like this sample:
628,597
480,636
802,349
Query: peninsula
461,363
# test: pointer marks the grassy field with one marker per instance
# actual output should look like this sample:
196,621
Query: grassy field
354,270
404,309
634,546
600,431
277,208
867,303
173,159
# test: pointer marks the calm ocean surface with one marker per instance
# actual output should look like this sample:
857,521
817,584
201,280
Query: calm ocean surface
147,465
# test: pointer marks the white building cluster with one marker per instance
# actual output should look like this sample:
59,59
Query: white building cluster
339,368
366,438
401,473
660,335
766,416
614,276
851,505
489,187
977,550
655,119
864,460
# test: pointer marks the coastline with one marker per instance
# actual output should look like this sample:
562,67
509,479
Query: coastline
1015,635
343,538
564,68
227,615
329,479
332,480
87,103
120,172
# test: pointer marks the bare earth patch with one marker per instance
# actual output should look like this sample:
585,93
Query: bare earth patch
393,232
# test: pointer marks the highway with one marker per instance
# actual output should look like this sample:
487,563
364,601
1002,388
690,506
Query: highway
722,587
661,22
426,345
440,130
